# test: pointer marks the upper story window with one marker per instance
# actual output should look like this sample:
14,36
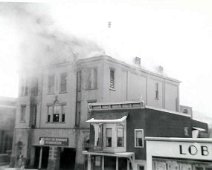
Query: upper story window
34,87
33,111
156,91
56,113
139,138
51,81
63,82
91,82
24,87
108,137
112,78
79,74
120,137
23,113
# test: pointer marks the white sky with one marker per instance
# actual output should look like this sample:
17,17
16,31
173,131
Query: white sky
176,34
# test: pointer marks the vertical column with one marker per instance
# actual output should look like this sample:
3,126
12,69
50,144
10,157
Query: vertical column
103,161
54,158
89,162
79,160
117,163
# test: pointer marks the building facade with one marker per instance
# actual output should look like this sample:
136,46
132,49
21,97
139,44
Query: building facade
53,105
7,124
118,131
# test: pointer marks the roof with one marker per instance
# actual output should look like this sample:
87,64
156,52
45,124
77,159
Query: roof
107,120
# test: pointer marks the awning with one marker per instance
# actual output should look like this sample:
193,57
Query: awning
199,129
92,120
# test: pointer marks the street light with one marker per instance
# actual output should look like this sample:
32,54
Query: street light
41,142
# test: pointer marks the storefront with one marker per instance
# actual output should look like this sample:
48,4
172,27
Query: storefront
179,153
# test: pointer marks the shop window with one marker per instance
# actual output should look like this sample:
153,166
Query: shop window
108,137
23,113
112,78
156,91
91,79
63,83
51,81
120,137
139,138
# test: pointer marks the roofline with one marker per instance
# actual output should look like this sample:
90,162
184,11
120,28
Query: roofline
111,59
203,140
139,105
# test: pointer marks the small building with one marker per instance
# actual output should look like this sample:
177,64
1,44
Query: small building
118,131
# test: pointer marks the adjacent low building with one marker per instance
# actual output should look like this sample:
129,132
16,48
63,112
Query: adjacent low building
118,131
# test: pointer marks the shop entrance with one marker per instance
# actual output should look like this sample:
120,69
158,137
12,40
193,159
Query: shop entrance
45,157
67,158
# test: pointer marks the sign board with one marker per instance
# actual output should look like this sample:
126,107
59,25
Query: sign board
55,141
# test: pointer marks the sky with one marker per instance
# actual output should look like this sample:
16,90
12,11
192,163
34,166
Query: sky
175,34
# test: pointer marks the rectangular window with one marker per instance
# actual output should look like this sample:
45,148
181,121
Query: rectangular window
33,109
156,91
63,82
63,113
139,138
24,87
23,113
91,79
120,137
49,112
108,137
34,87
79,81
51,80
112,78
78,114
56,114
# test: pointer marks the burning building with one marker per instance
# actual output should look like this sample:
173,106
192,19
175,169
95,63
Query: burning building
53,105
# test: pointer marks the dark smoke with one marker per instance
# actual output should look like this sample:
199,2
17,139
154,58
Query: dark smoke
42,43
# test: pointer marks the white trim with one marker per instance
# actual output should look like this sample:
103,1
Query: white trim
203,140
135,130
92,120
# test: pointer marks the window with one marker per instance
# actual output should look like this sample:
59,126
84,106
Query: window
63,82
139,138
79,81
156,91
108,137
51,80
112,78
33,109
78,114
56,113
120,137
34,87
91,78
23,113
140,167
24,87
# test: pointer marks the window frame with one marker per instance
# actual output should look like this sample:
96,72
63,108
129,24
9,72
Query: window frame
156,91
23,114
135,137
63,82
112,82
106,137
52,114
120,127
51,87
91,78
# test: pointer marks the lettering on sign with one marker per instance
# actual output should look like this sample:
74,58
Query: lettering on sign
193,150
55,141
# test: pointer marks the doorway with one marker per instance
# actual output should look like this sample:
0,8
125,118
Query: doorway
67,159
45,157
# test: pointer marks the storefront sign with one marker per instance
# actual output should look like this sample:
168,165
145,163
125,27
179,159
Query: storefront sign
55,141
194,150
